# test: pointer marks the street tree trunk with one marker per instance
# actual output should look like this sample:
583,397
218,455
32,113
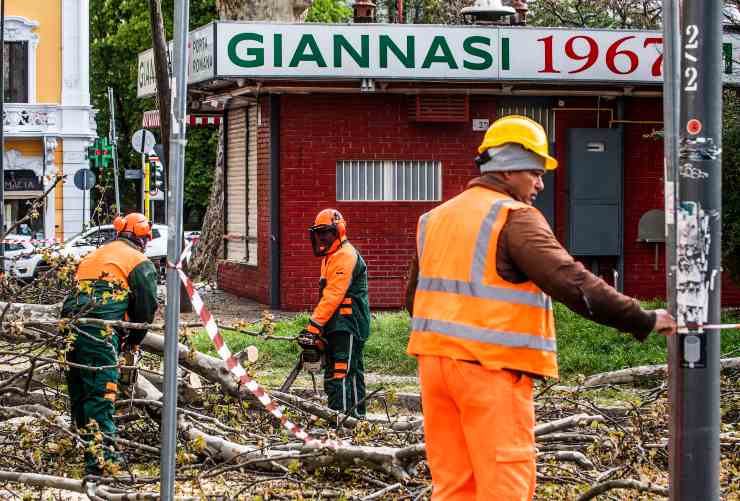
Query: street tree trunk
162,71
210,248
211,244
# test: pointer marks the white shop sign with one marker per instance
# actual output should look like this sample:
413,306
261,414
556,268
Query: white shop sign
425,52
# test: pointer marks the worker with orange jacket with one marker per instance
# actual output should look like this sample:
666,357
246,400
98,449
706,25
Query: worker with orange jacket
115,282
340,322
482,328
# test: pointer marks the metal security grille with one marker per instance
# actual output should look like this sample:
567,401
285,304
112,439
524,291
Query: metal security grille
389,180
539,112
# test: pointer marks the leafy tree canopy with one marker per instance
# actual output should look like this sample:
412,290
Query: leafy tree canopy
328,11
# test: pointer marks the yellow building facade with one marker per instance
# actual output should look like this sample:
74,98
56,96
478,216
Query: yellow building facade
48,121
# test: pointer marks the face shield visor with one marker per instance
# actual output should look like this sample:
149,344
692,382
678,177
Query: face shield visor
324,239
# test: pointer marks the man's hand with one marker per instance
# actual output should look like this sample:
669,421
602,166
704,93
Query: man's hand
664,323
308,339
312,347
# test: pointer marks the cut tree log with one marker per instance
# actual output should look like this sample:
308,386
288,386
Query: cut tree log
645,372
31,312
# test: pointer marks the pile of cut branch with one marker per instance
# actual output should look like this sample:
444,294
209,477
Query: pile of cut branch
601,437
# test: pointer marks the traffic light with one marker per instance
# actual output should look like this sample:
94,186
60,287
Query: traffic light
156,173
100,153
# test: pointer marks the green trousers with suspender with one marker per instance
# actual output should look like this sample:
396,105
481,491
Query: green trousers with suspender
344,376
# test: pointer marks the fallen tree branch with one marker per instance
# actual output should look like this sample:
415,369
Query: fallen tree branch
560,424
572,456
90,489
622,484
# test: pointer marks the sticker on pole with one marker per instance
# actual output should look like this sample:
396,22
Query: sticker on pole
693,126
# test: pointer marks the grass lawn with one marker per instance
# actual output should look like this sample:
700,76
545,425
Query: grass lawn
584,347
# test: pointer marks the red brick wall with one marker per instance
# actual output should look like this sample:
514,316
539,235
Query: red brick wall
319,130
240,278
643,191
643,181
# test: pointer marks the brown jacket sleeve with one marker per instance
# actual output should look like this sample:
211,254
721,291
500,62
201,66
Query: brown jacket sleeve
528,248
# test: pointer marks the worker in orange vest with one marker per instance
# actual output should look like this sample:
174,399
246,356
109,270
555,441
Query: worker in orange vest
340,323
116,282
483,328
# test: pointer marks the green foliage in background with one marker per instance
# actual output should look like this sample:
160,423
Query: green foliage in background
119,30
328,11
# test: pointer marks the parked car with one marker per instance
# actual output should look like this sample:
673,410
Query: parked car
89,240
22,258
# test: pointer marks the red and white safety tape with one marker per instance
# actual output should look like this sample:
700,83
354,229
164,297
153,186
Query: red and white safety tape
693,328
236,368
31,241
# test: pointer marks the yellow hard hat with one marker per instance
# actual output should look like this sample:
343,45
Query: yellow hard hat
520,130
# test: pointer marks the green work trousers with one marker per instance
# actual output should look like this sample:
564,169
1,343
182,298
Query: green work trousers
93,393
344,375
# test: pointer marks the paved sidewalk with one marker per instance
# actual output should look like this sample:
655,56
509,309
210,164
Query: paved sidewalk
225,307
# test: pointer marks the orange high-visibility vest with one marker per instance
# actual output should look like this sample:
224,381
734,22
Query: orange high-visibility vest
463,309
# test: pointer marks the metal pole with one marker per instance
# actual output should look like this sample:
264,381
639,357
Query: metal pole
671,114
2,133
174,240
694,356
114,145
143,168
84,200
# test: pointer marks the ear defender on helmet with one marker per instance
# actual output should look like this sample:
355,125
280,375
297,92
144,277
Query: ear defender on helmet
118,224
328,232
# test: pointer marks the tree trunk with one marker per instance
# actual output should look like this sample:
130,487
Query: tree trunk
210,248
162,71
286,11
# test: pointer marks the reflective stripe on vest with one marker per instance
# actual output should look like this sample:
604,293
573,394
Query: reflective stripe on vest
510,339
462,308
477,289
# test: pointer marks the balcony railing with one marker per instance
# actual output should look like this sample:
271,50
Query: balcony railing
24,119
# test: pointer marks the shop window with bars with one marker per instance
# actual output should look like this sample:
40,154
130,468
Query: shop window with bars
389,180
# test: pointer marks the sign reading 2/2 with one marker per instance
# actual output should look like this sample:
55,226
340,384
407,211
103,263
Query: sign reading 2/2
584,55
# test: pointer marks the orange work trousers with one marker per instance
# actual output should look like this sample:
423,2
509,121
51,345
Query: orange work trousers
479,431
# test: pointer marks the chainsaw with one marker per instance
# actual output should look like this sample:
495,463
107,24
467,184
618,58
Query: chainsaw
310,359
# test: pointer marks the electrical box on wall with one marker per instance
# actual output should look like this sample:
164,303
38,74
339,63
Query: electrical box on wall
595,174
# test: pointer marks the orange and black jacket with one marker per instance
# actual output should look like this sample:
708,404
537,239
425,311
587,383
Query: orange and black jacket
343,302
116,282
